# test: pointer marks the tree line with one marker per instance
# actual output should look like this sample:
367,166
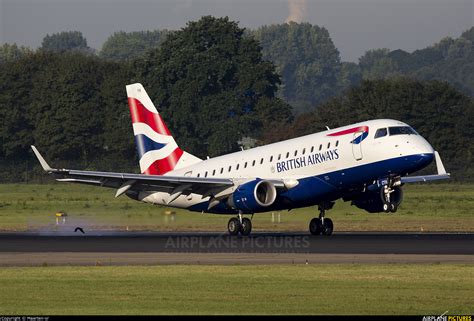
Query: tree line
217,84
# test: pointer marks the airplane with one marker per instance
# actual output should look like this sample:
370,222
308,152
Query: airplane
366,163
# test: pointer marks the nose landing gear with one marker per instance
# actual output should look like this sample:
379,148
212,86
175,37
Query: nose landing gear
321,225
390,203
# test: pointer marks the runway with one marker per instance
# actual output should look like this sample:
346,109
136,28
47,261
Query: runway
217,248
340,243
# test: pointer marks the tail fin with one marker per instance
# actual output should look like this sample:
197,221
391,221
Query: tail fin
157,149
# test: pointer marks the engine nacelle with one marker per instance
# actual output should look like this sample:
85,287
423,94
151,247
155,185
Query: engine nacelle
253,196
373,202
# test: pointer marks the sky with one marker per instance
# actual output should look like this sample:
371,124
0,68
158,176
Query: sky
354,25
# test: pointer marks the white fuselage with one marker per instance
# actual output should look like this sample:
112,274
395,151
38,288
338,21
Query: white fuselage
295,159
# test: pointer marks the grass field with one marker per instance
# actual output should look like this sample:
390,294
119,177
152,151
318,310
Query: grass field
428,207
272,289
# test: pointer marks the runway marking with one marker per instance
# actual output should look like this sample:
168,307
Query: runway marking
112,258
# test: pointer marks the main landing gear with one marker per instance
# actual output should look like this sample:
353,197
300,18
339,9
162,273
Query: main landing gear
240,225
321,225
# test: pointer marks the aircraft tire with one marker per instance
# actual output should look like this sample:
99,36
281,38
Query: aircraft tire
234,226
315,226
246,226
327,227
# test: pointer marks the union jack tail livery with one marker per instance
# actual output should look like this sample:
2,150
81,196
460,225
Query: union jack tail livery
157,149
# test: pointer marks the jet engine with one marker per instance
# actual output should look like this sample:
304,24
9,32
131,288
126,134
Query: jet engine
254,195
374,201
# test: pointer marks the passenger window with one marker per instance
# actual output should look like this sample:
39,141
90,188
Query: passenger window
381,132
261,161
205,174
237,167
320,146
271,158
245,165
253,163
222,170
304,150
337,143
230,167
198,175
279,156
312,149
296,152
329,145
213,172
287,154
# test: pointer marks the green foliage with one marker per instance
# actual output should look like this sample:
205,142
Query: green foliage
123,46
450,60
65,41
65,104
212,86
307,60
10,52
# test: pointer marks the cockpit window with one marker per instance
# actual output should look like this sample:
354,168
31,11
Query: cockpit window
402,130
381,132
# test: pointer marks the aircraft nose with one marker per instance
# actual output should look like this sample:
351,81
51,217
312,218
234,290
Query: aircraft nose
424,159
423,147
424,153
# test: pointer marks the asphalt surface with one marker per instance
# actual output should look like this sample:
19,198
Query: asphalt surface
340,243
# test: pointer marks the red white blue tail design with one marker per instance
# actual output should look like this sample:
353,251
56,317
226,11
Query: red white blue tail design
157,149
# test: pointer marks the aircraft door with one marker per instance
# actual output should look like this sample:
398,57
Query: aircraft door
357,146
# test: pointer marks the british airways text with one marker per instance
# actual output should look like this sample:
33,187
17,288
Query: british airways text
311,159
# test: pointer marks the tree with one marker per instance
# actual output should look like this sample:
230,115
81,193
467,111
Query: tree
450,60
212,86
11,52
67,110
65,41
119,150
128,46
15,97
307,60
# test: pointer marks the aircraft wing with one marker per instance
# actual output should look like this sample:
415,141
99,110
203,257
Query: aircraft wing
425,178
139,182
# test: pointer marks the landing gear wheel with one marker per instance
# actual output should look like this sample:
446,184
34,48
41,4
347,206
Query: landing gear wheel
315,226
246,227
386,207
327,227
234,226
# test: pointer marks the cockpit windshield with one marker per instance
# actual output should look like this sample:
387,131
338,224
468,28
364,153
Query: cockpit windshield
401,130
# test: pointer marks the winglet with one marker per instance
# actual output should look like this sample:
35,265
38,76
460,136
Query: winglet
439,164
43,163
